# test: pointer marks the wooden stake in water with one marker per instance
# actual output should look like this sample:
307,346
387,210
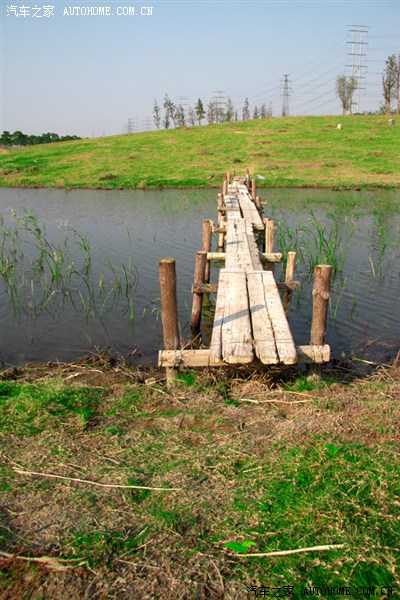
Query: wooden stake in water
321,291
201,259
207,234
289,275
253,190
291,259
169,310
248,178
269,240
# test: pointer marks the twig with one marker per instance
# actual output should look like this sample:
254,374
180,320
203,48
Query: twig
296,551
273,401
48,560
106,485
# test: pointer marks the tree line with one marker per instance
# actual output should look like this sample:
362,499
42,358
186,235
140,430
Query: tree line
21,139
346,86
169,114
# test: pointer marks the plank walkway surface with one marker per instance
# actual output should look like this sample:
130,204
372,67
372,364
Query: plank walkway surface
249,317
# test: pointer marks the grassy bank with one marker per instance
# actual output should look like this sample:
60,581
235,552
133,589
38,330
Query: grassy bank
288,152
224,468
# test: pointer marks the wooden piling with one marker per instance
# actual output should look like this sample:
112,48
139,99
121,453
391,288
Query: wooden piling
225,187
247,178
221,234
291,259
269,235
289,275
321,291
258,204
220,201
207,234
169,310
200,267
253,190
269,241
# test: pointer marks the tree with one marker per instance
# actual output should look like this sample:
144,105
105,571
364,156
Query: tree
246,110
5,138
390,81
170,110
200,112
230,110
211,113
256,114
345,87
180,116
192,116
156,114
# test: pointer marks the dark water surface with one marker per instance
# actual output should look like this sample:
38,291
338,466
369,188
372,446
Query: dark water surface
93,307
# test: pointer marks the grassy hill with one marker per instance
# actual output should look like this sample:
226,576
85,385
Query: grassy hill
288,152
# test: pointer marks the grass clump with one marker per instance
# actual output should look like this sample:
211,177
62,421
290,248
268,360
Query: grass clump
290,462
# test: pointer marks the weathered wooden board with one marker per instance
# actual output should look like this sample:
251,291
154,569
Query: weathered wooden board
282,334
249,209
263,331
237,249
231,338
202,358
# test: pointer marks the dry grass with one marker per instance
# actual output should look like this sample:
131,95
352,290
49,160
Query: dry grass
232,445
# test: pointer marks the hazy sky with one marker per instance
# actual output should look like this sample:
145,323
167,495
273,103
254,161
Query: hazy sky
87,75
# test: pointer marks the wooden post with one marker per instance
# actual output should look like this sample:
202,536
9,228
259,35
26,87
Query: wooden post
201,259
291,259
228,177
258,204
225,187
322,280
248,178
169,310
253,190
220,200
221,235
207,233
269,241
269,235
321,290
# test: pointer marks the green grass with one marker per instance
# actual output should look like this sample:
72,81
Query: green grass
288,152
249,478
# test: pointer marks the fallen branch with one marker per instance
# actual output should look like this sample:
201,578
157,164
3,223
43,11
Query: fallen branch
273,401
50,561
296,551
88,481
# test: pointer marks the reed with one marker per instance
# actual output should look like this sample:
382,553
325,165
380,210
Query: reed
37,271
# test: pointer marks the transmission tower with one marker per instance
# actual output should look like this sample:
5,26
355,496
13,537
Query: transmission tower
218,101
358,32
285,96
184,102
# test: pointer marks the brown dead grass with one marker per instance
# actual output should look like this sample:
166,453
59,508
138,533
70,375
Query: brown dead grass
38,513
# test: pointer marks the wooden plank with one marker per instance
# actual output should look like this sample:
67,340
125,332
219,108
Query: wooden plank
202,358
249,209
283,336
263,332
231,337
236,246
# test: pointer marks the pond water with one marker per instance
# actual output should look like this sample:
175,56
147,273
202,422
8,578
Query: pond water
79,269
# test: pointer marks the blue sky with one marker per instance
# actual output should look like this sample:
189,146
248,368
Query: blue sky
87,75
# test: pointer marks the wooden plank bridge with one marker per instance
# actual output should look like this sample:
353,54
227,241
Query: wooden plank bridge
250,321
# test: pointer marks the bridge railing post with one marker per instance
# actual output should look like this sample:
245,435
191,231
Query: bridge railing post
169,310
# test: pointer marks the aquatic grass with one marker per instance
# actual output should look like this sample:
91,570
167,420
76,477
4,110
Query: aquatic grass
316,242
49,267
